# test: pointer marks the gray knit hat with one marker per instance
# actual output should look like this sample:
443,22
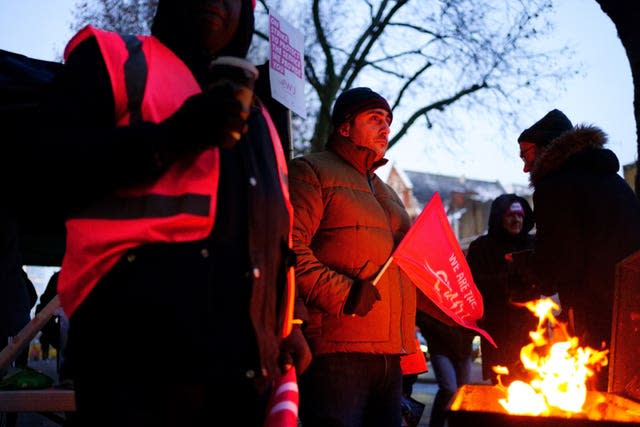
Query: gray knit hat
548,128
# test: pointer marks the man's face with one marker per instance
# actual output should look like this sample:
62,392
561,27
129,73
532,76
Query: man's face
512,222
528,153
212,23
369,129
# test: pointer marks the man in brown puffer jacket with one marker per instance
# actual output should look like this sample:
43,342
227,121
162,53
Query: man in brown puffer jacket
347,224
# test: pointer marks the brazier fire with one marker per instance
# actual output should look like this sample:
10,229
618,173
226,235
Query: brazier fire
572,405
478,406
557,365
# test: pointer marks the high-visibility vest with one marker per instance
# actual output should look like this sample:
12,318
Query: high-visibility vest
149,83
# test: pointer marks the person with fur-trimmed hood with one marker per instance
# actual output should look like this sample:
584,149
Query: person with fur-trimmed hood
587,218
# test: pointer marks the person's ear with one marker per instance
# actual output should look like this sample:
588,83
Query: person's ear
344,129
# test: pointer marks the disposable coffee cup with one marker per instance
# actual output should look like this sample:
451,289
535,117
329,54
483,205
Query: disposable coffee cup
243,76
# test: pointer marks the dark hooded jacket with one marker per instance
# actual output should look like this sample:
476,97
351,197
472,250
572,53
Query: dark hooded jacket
500,286
588,220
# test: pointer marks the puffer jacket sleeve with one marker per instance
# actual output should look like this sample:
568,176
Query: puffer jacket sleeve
319,286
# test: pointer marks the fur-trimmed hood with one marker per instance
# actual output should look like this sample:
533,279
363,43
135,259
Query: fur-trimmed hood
583,141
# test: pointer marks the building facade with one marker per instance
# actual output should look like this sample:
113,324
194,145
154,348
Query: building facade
467,202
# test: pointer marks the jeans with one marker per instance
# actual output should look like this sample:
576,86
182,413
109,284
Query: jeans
450,374
351,390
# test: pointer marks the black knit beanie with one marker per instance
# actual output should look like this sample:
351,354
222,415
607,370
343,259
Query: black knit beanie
353,101
548,128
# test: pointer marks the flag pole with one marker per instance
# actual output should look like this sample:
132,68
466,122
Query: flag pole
382,271
23,338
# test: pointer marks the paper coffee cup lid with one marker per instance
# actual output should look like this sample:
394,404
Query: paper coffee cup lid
235,62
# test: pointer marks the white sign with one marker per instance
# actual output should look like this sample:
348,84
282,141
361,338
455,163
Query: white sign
286,64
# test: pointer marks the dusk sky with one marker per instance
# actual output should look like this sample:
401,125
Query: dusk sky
603,96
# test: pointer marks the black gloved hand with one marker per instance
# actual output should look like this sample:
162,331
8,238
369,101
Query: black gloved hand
362,296
295,351
208,119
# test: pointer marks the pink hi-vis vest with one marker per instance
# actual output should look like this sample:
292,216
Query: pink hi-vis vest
149,83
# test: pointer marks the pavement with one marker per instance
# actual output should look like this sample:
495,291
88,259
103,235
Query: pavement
424,391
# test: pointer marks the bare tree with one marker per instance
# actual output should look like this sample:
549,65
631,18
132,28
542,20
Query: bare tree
433,59
426,57
625,16
430,55
124,16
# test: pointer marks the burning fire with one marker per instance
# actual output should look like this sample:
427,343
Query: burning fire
558,367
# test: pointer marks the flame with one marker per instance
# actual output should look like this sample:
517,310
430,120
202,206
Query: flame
558,367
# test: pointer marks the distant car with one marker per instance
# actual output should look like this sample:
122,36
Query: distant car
423,343
476,351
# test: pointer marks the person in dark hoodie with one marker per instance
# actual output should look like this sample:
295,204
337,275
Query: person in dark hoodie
509,230
177,235
587,221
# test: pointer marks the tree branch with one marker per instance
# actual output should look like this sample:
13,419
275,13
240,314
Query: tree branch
439,105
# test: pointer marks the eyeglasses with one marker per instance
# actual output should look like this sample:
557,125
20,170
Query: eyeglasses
524,154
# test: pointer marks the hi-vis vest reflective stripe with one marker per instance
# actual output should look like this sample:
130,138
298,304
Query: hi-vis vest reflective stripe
149,83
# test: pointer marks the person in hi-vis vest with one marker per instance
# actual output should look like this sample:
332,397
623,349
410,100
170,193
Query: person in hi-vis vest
177,274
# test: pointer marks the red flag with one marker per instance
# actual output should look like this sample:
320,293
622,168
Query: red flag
282,410
431,256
